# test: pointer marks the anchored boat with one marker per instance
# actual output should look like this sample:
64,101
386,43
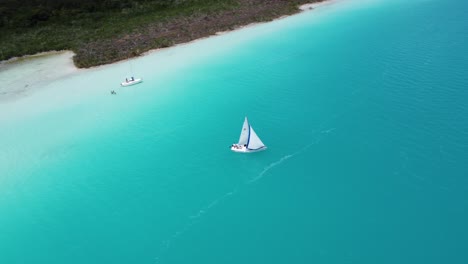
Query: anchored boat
131,81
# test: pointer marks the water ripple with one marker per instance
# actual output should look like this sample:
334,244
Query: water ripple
195,218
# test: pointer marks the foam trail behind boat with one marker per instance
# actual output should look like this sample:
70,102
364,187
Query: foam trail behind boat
216,202
284,158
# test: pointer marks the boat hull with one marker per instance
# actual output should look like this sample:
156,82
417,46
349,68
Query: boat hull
129,83
243,149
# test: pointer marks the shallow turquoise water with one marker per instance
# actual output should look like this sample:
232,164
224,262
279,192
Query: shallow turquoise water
363,106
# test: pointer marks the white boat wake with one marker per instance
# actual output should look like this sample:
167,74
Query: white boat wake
269,167
278,162
193,219
212,204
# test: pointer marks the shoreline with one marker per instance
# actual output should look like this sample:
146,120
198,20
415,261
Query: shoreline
312,6
23,84
22,76
302,9
35,56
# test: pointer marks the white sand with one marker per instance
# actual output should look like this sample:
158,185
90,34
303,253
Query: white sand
19,76
311,6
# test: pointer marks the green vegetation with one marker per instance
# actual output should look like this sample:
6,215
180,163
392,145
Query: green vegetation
105,31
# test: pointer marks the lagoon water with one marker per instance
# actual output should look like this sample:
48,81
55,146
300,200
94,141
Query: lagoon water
363,106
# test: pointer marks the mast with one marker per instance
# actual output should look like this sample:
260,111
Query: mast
245,133
248,137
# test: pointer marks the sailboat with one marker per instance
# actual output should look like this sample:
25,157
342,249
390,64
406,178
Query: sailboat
131,80
248,140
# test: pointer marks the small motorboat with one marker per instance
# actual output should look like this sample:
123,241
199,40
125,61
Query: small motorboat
131,81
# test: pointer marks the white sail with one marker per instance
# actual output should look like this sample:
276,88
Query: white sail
254,140
244,136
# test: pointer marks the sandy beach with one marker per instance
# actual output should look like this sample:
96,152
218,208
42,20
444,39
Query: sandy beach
21,76
311,6
25,75
362,106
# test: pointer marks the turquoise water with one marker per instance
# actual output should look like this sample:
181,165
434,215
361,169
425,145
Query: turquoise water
363,106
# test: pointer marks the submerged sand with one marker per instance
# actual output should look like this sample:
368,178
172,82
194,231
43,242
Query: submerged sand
20,76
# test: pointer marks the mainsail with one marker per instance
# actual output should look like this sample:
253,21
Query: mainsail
244,136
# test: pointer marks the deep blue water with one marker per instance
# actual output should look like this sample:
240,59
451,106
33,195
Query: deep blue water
363,106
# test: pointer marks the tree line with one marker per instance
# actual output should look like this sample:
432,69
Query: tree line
30,13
